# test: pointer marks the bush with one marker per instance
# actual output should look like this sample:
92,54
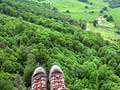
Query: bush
67,11
11,67
109,19
6,85
83,24
86,7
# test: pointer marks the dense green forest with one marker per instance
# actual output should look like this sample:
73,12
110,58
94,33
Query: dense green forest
35,34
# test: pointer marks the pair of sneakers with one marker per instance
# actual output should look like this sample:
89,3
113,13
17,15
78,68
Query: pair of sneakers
40,79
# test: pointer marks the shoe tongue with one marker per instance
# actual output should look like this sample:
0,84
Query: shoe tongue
57,74
38,76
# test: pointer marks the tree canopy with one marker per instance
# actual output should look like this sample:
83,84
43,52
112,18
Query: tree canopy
32,37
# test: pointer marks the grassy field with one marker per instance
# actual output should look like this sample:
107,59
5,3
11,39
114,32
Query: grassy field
106,29
115,13
78,11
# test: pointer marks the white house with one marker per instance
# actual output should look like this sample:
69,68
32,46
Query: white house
101,19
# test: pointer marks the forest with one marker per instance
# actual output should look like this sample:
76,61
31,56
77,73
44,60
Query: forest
35,34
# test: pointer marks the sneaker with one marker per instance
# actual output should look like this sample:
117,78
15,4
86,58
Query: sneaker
56,78
39,79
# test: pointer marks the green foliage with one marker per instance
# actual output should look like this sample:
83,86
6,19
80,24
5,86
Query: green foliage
109,18
11,67
95,22
6,82
6,85
67,11
29,39
83,24
118,70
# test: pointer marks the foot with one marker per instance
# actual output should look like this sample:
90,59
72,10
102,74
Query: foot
39,79
56,78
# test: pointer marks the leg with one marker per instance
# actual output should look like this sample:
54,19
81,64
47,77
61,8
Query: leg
39,79
56,78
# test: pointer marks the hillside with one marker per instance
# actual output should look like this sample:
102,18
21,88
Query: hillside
78,9
36,34
89,11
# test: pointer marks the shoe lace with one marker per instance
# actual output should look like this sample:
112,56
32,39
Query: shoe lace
39,83
57,82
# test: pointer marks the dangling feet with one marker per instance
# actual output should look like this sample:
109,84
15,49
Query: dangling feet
56,78
39,79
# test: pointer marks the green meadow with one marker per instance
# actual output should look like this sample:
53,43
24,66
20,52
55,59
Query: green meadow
78,11
107,30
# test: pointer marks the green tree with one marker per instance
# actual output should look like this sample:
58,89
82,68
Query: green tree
118,70
11,67
83,24
109,19
95,22
6,85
